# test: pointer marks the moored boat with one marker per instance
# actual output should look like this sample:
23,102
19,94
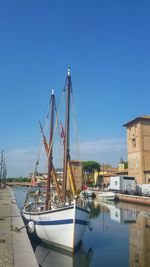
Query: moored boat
87,194
106,196
59,221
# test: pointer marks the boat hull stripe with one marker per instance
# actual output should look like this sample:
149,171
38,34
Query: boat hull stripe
59,222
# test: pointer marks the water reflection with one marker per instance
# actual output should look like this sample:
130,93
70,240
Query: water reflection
120,236
49,256
121,215
139,242
138,218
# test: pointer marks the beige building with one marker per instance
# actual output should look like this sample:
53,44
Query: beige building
138,145
102,178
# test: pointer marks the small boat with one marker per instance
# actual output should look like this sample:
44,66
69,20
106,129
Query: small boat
106,196
58,220
87,194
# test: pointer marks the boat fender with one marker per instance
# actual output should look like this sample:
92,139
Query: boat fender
31,227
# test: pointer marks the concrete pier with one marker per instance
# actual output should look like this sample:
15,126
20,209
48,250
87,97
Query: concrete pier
134,199
15,246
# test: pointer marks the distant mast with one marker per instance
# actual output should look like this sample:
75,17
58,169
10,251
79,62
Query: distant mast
50,157
1,168
67,124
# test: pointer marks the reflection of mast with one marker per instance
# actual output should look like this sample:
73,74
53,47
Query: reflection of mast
103,218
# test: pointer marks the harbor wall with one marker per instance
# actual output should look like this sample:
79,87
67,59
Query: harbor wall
133,199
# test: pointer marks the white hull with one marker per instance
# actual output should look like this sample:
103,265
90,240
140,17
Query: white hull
63,227
106,196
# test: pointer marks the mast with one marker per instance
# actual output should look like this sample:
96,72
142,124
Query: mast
1,168
50,157
66,141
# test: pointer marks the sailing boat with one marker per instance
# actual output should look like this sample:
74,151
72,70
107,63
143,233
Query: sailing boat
60,224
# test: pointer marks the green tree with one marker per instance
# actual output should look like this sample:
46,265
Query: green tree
91,166
125,164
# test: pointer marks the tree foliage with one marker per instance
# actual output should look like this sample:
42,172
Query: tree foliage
126,165
20,179
91,166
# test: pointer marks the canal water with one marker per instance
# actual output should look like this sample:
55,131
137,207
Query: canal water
119,235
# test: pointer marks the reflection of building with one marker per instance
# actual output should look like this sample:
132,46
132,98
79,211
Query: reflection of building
121,215
138,143
140,242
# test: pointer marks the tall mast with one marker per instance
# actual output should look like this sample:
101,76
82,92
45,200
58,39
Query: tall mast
66,143
50,157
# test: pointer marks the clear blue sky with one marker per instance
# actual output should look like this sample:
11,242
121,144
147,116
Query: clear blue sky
107,45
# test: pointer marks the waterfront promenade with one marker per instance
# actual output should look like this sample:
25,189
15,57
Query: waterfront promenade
15,246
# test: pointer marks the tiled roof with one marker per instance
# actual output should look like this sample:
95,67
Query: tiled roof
144,117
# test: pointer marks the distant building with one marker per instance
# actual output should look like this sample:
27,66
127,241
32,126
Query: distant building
76,167
102,178
121,165
122,168
138,145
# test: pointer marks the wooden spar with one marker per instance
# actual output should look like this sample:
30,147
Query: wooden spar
66,141
71,178
50,157
53,169
57,184
44,140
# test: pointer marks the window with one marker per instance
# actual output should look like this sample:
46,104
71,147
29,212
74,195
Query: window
131,164
133,142
116,182
137,163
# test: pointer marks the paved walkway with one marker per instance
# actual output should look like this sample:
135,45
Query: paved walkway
15,246
6,246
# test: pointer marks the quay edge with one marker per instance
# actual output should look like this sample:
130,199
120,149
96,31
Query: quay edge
23,254
133,199
23,251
